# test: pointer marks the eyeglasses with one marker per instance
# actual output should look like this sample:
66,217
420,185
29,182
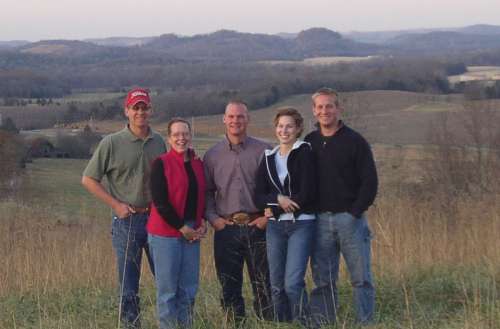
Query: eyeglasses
140,108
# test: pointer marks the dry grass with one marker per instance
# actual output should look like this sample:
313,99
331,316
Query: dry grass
433,268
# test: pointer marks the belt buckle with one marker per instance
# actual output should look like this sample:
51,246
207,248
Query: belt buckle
240,218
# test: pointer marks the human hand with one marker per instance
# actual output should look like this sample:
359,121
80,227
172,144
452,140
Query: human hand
287,204
202,230
268,213
259,222
123,210
189,233
219,223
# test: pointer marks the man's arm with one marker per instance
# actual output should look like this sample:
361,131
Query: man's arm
217,222
367,171
95,187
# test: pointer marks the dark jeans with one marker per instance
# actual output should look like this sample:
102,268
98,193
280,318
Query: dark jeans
129,238
233,246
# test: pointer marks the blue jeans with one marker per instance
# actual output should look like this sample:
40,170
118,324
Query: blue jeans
289,246
177,265
341,233
129,238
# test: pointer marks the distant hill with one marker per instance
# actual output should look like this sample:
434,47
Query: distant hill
483,29
13,43
383,37
120,41
445,41
317,42
232,45
60,52
59,48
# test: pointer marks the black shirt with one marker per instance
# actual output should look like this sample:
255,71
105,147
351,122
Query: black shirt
346,175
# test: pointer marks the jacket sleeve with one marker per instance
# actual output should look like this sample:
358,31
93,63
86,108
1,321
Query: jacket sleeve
305,194
159,193
211,190
367,174
264,192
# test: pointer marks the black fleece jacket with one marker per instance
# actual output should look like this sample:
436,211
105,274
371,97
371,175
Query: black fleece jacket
299,185
346,173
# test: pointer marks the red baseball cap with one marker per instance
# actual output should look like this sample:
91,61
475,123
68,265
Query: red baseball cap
137,95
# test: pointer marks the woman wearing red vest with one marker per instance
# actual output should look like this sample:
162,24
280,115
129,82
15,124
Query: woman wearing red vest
176,226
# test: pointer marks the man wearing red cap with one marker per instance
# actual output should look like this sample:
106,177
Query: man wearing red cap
125,158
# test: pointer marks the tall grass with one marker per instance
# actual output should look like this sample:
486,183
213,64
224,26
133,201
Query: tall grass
431,272
434,266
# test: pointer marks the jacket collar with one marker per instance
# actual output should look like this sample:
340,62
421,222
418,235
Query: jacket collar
295,146
180,156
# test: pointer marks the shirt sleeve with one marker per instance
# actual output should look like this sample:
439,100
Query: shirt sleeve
159,192
211,189
98,165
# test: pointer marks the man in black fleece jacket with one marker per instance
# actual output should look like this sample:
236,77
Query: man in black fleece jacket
347,186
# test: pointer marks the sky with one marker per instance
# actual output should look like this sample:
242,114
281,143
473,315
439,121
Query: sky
35,20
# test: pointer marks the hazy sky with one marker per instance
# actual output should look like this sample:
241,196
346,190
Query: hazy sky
77,19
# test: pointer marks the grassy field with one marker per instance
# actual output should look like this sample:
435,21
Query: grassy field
434,267
323,60
477,73
436,258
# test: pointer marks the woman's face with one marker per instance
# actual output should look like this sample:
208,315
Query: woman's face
286,130
180,137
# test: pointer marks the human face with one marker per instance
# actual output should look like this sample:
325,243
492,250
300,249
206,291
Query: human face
326,112
180,137
138,115
236,120
286,130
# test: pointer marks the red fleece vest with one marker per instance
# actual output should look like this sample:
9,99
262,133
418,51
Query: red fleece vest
177,180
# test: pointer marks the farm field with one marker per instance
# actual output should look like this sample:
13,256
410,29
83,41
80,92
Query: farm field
323,60
477,73
434,267
436,256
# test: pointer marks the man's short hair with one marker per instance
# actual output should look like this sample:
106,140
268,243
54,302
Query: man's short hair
291,112
327,92
237,102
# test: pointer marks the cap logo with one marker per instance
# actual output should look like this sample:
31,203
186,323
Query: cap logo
139,93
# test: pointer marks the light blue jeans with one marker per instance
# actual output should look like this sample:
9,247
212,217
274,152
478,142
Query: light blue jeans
289,246
129,238
341,233
177,266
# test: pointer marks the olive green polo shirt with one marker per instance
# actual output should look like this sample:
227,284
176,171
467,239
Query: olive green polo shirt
125,160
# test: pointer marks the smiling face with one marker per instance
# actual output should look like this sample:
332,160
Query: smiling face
179,137
138,115
236,120
326,111
287,130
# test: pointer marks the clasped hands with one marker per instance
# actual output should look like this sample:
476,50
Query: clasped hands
193,235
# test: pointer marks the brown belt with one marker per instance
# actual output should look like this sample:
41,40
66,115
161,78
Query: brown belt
243,218
141,210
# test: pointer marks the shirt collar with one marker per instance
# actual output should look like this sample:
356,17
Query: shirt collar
241,145
340,126
134,138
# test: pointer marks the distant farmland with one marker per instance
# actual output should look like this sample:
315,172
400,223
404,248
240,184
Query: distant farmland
477,73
